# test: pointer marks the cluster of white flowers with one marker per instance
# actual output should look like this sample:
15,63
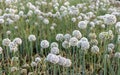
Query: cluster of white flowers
95,49
8,32
117,27
73,41
1,21
92,35
37,59
59,37
77,34
36,62
67,37
109,19
17,41
46,21
85,15
94,42
93,39
33,64
65,44
54,44
60,11
12,45
52,58
111,47
106,35
14,69
55,50
83,44
64,62
44,44
32,37
6,42
53,26
82,24
57,59
117,55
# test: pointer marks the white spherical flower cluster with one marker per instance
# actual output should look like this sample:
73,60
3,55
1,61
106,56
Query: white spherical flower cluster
109,50
77,34
44,44
13,69
73,41
110,34
31,37
58,60
79,44
21,13
68,63
54,44
111,45
73,20
59,37
8,32
52,58
52,28
30,73
16,27
67,37
83,44
30,12
117,27
46,21
109,19
102,35
55,50
1,21
106,35
94,42
95,49
84,39
54,24
33,64
90,14
92,35
61,60
6,42
103,26
65,44
117,55
79,17
82,24
16,18
67,3
13,47
92,24
17,41
64,62
37,59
